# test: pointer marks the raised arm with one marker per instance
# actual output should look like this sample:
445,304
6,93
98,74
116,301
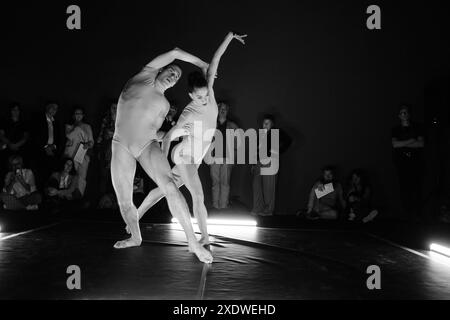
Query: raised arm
167,58
212,70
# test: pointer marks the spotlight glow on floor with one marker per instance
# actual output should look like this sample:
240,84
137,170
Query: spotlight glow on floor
440,249
224,222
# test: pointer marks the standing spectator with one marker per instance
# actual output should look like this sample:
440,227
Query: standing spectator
19,190
264,186
221,173
13,137
79,139
359,198
104,141
62,187
329,206
408,144
15,132
47,143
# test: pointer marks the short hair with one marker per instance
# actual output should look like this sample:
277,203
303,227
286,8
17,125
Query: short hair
223,103
329,168
270,117
75,108
50,105
196,80
14,104
14,157
170,66
405,106
62,164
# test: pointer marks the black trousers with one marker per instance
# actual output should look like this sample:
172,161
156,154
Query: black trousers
410,175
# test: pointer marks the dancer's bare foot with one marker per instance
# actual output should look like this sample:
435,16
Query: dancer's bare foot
202,254
127,229
128,243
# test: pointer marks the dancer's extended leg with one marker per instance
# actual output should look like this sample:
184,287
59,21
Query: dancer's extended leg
154,162
154,196
123,168
189,174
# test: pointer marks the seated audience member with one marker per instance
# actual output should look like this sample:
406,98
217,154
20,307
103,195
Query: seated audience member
330,201
19,191
104,141
359,199
62,187
79,140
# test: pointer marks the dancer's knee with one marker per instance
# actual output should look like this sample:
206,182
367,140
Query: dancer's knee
169,189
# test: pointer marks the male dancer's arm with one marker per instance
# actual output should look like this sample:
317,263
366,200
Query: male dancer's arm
176,54
212,70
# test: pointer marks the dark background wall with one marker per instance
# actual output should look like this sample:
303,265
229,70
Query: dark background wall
334,84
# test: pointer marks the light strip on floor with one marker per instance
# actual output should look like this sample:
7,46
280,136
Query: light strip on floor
440,249
225,222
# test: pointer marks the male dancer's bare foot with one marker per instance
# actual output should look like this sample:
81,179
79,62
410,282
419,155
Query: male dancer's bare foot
128,243
127,229
202,254
132,224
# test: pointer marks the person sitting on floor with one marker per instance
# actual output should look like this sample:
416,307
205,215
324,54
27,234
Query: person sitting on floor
19,191
326,197
62,187
359,199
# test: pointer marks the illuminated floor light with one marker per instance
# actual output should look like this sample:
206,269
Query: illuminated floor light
224,222
440,249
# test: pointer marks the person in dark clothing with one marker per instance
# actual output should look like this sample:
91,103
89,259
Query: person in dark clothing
104,141
48,143
408,143
328,206
169,121
62,190
15,131
14,134
264,186
359,198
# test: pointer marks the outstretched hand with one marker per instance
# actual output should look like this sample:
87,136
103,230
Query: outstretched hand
239,37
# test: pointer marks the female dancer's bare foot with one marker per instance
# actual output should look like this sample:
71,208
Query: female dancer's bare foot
128,243
202,254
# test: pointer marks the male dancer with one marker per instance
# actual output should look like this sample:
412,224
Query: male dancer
141,110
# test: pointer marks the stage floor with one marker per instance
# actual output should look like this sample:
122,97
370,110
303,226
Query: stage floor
249,263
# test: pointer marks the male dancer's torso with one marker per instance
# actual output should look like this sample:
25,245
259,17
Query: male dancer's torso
140,112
